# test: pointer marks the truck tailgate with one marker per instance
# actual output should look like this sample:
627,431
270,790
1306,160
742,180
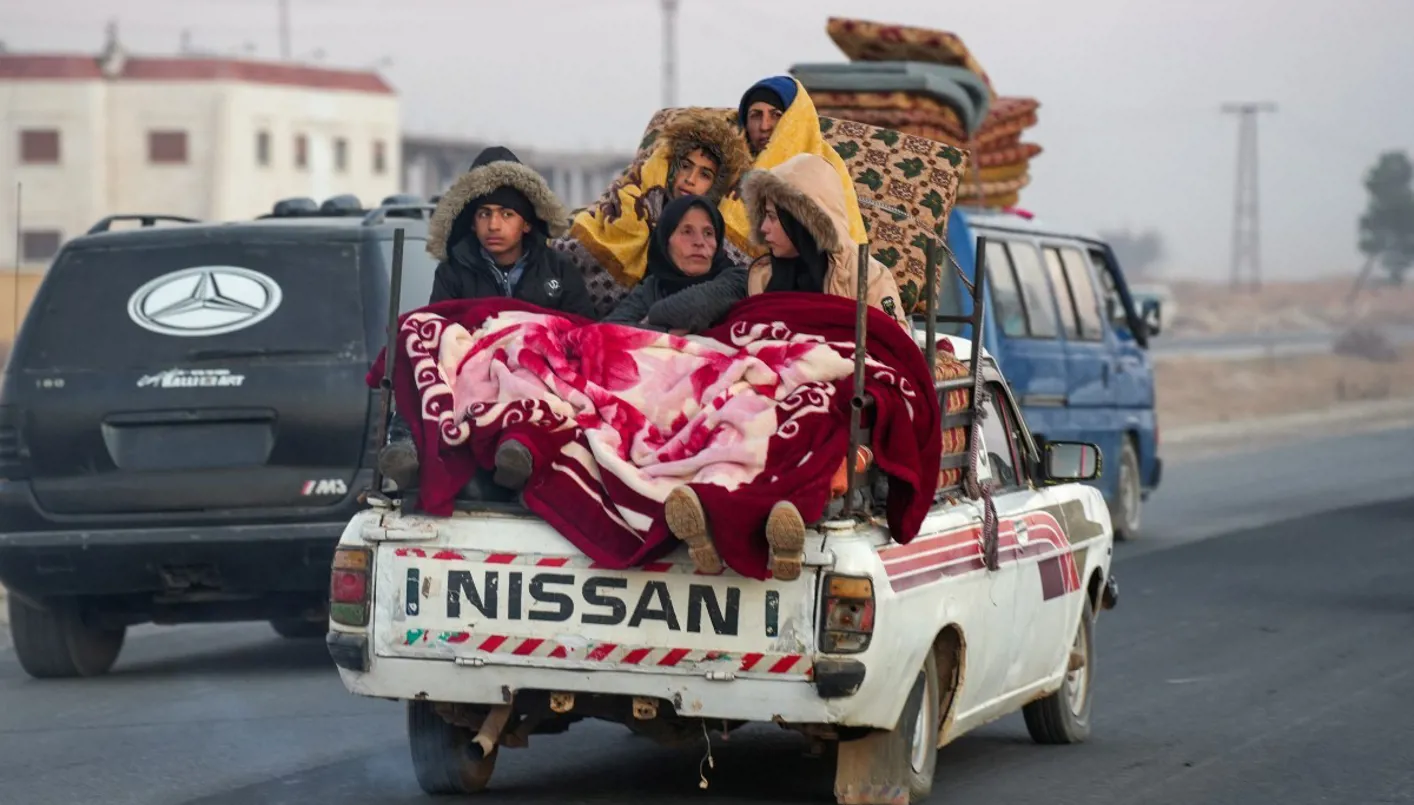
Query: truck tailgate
557,609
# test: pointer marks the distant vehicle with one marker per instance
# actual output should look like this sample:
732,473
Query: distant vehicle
184,424
1073,342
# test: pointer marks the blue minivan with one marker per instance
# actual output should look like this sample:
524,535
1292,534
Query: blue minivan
1072,342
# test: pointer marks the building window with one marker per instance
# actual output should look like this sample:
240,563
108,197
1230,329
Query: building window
341,154
37,245
262,148
39,147
167,147
380,157
301,151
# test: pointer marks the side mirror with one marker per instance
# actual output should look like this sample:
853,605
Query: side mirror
1071,461
1152,312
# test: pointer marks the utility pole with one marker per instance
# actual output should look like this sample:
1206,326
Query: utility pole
670,53
284,30
1246,221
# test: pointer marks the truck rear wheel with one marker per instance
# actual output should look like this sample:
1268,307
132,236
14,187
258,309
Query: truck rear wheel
439,754
872,768
1064,716
55,643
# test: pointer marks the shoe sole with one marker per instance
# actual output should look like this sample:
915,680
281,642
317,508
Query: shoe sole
785,535
513,466
688,522
399,466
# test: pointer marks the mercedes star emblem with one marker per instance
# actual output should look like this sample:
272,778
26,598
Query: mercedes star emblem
205,300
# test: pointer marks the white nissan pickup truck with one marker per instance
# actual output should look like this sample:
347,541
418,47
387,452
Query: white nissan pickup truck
493,628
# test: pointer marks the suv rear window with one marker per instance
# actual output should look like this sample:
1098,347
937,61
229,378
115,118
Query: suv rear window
151,304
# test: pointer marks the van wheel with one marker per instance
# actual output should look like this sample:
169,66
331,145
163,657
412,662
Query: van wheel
1128,502
297,629
871,768
1064,716
56,644
439,754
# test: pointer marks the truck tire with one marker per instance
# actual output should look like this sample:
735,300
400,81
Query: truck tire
1128,504
56,644
1064,716
297,629
439,756
869,769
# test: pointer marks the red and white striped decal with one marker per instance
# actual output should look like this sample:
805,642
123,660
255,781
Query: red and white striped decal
534,560
614,654
954,553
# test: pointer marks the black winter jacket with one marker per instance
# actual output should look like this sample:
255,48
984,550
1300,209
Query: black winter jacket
550,279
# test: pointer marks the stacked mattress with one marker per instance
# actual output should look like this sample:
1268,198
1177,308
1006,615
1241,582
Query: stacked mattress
926,83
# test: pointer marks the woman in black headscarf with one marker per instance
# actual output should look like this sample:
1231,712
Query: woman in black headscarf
685,253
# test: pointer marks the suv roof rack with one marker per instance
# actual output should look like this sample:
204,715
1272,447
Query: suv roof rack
408,210
343,205
147,220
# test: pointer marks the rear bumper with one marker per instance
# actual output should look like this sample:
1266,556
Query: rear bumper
234,560
794,701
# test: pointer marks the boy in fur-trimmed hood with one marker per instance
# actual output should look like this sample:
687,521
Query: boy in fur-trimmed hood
489,233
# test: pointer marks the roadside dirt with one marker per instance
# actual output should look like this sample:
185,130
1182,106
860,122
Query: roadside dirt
1213,309
1199,392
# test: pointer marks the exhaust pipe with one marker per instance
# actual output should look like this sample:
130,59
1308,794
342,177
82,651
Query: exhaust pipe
485,741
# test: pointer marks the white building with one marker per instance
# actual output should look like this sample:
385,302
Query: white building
206,138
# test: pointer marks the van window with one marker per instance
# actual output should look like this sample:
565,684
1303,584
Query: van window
1056,271
1082,288
1113,304
1006,299
1035,291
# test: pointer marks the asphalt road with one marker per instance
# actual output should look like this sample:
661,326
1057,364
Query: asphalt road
1261,653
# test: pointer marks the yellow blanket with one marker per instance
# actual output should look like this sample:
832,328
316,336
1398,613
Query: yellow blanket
798,132
615,229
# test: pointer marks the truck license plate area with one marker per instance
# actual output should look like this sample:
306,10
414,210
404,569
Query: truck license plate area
512,609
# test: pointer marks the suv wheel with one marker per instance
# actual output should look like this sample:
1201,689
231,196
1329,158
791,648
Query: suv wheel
55,643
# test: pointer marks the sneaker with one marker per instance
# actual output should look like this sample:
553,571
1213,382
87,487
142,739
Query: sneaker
688,522
785,534
398,463
514,464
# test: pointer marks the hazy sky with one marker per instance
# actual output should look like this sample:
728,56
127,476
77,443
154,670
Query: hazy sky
1130,89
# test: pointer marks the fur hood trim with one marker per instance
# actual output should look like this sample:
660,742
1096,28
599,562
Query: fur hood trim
483,179
806,186
714,132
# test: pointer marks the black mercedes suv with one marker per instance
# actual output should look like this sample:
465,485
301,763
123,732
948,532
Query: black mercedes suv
184,424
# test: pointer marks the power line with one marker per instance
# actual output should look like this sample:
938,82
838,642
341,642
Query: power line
1246,219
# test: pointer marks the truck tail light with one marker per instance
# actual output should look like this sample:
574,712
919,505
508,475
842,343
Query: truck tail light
848,607
348,586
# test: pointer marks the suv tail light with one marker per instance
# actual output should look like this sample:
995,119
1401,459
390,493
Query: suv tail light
848,606
349,584
14,458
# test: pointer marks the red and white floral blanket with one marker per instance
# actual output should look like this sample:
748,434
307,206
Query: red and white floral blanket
750,413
